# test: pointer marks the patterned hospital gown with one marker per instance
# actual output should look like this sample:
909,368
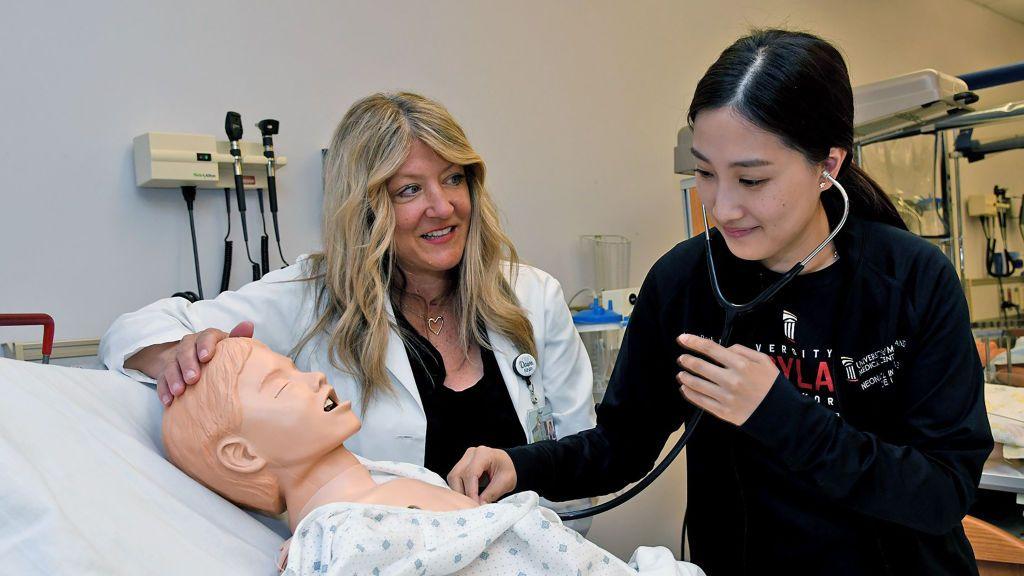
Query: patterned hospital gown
512,537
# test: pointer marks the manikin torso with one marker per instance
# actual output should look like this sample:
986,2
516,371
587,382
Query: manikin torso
354,484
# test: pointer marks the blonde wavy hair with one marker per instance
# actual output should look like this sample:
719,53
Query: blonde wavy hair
357,270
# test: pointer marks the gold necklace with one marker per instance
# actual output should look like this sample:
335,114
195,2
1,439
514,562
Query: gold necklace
435,321
434,324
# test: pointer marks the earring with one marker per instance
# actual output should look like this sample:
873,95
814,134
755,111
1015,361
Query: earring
822,185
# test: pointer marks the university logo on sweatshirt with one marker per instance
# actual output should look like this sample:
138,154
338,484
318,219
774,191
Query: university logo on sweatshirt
789,325
851,370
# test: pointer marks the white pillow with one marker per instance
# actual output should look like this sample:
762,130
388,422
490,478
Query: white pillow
85,488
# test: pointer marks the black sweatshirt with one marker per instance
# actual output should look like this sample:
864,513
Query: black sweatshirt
865,454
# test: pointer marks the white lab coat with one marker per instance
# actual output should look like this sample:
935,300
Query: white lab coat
394,426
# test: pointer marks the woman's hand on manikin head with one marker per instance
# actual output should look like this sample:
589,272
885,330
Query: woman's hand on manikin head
182,363
764,196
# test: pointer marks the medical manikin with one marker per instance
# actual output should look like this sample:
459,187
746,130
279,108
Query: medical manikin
264,435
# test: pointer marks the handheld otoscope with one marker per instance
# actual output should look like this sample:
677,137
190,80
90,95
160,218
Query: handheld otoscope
233,127
268,128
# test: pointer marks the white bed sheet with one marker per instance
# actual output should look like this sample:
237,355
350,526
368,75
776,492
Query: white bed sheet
85,489
1005,407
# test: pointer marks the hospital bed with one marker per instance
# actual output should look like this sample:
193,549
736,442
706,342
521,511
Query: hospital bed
86,488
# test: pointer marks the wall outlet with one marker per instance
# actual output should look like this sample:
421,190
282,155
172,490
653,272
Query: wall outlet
622,300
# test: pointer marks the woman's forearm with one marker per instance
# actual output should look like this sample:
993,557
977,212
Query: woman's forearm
151,359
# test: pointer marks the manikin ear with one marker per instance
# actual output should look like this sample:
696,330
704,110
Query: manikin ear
831,164
237,454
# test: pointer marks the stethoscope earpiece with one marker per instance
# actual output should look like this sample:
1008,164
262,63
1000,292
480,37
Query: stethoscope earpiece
828,178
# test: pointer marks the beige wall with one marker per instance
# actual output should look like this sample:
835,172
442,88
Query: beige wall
575,106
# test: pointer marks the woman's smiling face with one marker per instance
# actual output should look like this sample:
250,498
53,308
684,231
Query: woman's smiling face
762,194
432,207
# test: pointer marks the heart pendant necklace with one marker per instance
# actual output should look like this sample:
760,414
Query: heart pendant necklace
435,324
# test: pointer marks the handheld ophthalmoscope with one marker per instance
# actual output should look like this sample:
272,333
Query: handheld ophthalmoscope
268,128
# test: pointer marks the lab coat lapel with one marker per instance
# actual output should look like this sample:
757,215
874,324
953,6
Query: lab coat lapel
505,353
398,361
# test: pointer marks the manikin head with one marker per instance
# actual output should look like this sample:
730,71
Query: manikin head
252,420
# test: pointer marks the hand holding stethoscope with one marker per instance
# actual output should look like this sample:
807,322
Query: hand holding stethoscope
730,387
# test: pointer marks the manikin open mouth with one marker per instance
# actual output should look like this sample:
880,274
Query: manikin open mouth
331,402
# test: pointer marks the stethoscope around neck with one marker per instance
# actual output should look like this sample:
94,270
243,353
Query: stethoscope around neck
732,313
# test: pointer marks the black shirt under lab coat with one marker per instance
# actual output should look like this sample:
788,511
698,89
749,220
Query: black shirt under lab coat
481,415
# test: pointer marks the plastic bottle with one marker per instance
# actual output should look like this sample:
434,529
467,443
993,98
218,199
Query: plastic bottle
931,220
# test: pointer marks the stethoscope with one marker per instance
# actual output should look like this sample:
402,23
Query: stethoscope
732,313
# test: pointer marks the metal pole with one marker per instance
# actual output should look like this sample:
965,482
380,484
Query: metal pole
959,221
687,212
994,76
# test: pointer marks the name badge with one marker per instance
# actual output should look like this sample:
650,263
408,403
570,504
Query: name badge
541,424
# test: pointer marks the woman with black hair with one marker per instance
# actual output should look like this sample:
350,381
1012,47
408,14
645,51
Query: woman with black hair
846,428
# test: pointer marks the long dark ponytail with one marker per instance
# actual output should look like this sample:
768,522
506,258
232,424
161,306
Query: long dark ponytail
796,86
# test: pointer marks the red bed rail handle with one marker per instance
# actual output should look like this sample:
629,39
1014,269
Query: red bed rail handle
44,320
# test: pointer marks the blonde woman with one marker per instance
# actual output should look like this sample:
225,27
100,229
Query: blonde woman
416,308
